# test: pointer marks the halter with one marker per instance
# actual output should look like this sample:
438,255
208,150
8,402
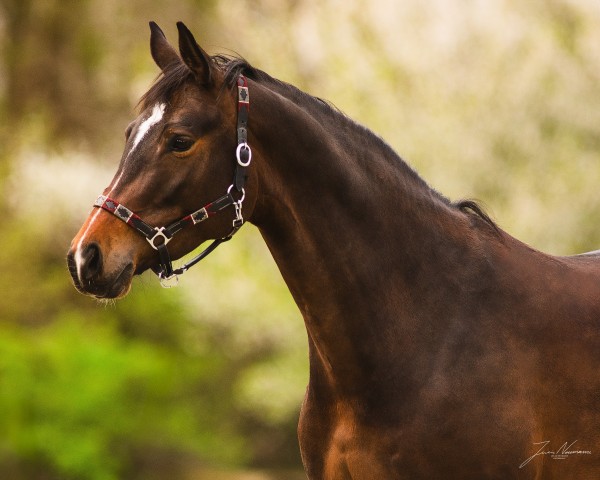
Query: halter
159,237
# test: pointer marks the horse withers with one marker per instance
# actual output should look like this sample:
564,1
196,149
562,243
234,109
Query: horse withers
439,346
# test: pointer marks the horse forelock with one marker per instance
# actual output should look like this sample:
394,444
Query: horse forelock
165,86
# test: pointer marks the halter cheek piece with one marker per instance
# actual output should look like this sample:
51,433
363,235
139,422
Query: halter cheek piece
159,237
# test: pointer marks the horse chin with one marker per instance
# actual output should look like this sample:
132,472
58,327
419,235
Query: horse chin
120,287
112,288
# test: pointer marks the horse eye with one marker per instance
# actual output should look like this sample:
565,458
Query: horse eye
180,144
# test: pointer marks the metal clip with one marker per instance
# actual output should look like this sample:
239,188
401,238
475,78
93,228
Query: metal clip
238,221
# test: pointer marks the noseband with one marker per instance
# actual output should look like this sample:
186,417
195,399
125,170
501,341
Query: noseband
159,237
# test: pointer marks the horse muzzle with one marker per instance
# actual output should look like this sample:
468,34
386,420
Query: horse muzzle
91,275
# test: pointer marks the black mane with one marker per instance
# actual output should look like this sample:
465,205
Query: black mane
472,207
233,67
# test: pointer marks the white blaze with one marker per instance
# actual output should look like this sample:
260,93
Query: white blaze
155,117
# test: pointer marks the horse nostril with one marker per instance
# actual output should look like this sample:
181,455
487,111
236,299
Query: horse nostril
91,262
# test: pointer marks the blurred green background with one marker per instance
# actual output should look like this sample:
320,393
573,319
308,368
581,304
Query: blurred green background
497,100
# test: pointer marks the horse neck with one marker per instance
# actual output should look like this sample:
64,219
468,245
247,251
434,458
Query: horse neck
356,234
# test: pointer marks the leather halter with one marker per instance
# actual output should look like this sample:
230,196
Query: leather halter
159,237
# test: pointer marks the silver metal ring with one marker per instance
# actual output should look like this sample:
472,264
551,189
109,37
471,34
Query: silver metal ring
243,193
169,282
238,152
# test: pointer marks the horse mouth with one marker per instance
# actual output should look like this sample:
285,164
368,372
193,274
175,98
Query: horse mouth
114,287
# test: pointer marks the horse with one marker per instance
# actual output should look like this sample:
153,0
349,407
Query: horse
439,345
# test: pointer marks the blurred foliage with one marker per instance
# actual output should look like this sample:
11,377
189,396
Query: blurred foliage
82,401
497,100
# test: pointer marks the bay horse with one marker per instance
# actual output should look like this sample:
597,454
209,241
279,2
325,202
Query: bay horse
440,347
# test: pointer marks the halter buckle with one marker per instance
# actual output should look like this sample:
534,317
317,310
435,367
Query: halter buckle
158,235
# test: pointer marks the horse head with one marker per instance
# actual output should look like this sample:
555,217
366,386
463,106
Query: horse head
179,156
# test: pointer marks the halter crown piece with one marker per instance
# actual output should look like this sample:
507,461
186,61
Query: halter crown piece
159,237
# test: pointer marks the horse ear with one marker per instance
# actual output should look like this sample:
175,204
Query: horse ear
162,52
197,60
